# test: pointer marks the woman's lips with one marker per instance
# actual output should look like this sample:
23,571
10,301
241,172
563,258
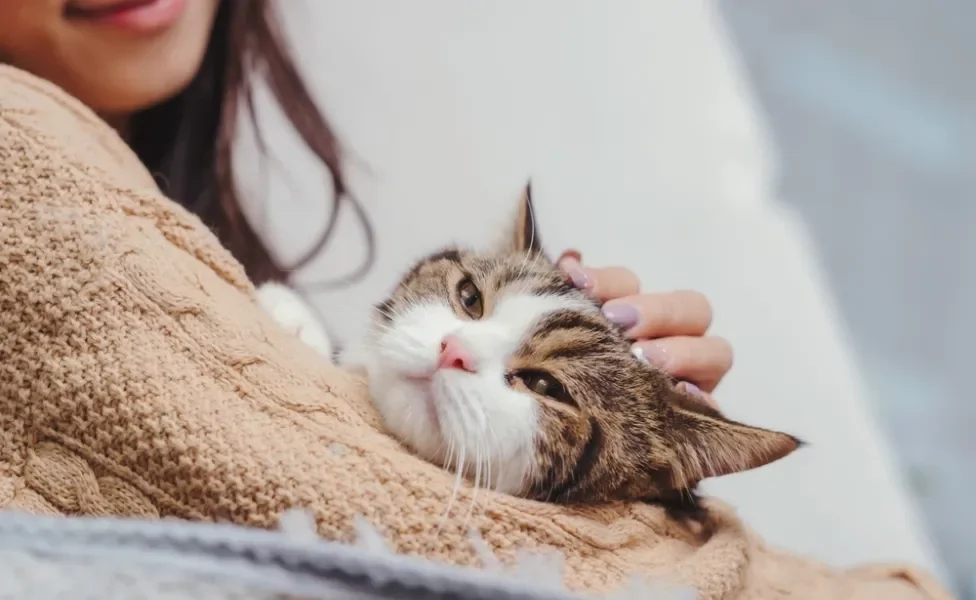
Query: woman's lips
143,16
95,6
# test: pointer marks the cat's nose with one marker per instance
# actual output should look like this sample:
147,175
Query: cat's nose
455,356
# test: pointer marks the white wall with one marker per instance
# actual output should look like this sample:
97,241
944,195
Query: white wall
639,133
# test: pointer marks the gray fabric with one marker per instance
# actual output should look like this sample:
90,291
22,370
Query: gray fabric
50,557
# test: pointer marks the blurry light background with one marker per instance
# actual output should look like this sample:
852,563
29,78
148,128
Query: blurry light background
871,105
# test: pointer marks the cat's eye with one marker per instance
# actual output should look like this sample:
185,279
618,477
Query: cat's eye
544,384
470,298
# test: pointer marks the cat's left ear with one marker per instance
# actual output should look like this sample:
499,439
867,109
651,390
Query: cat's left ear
524,235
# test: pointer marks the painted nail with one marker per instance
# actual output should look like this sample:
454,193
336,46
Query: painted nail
654,354
695,391
580,279
576,273
624,316
638,352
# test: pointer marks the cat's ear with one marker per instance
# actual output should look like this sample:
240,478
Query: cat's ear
523,238
706,444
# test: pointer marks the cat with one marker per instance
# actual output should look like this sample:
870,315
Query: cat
493,365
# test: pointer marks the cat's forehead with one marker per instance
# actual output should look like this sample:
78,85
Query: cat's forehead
562,325
511,272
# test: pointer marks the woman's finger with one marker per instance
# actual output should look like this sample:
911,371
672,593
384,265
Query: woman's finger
703,361
601,284
609,283
650,316
571,253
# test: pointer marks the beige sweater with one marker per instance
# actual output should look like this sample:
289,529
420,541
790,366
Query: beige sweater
138,377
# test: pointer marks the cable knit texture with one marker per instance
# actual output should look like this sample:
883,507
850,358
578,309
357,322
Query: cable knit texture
138,377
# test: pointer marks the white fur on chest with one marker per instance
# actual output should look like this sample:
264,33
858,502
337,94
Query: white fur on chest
294,314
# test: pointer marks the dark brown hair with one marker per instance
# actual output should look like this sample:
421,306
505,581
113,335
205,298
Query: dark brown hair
186,142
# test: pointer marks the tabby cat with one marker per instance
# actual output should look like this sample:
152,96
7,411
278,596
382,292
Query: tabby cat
493,365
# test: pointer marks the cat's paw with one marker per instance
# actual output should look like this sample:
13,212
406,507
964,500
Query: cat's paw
293,314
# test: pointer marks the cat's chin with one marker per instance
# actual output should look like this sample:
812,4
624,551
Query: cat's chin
426,400
425,415
409,411
452,417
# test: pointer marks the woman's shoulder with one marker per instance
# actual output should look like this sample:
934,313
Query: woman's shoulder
51,120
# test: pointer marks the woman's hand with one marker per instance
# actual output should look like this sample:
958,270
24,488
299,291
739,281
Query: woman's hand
668,328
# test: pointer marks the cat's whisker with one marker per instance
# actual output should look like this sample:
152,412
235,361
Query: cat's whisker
523,265
448,459
402,339
457,424
458,476
486,444
476,489
464,409
396,312
486,460
472,432
405,349
490,441
484,447
487,468
454,458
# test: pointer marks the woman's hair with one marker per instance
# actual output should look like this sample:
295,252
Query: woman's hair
186,142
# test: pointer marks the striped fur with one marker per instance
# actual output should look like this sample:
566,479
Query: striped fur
614,428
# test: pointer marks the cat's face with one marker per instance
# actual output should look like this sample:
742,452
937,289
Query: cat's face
494,365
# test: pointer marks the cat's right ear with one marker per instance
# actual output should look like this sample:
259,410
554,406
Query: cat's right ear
706,444
524,235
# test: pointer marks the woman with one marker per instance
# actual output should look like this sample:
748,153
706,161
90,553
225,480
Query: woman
172,77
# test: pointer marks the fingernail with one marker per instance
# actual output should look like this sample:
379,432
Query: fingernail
695,391
576,273
624,316
653,354
571,255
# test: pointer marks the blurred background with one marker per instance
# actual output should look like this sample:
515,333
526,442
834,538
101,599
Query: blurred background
870,106
806,165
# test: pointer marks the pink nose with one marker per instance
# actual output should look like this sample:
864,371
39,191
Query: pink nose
455,356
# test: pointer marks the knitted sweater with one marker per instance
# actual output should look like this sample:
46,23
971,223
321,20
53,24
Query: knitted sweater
138,377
